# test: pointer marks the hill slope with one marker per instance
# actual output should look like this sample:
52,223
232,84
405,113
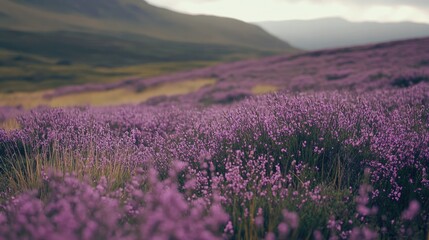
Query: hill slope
50,43
390,65
337,32
132,17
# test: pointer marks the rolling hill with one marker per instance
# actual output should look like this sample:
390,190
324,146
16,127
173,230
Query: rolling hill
50,43
133,20
363,69
337,32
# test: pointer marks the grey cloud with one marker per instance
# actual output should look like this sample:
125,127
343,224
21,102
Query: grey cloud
416,3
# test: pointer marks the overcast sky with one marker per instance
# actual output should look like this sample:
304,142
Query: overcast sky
263,10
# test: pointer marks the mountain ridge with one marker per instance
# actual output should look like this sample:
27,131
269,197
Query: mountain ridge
317,34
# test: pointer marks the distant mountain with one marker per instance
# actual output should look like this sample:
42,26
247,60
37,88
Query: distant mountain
337,32
125,31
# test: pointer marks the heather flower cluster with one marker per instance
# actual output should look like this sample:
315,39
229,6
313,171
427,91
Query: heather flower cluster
320,165
73,209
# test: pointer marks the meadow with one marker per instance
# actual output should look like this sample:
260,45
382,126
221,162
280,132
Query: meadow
29,73
336,153
360,69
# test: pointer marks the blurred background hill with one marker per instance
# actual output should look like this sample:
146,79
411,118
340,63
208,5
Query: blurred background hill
49,43
337,32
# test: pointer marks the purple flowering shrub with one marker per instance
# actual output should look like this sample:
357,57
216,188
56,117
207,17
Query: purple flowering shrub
66,208
324,164
71,209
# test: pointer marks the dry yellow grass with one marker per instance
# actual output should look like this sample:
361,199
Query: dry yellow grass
24,99
103,98
264,88
126,96
10,124
27,168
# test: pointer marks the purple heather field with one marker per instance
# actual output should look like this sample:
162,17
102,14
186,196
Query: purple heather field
341,151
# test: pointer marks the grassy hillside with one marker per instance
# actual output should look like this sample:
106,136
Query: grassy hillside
48,43
28,72
106,50
133,17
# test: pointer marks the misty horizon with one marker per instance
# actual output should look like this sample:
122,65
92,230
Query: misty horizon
275,10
